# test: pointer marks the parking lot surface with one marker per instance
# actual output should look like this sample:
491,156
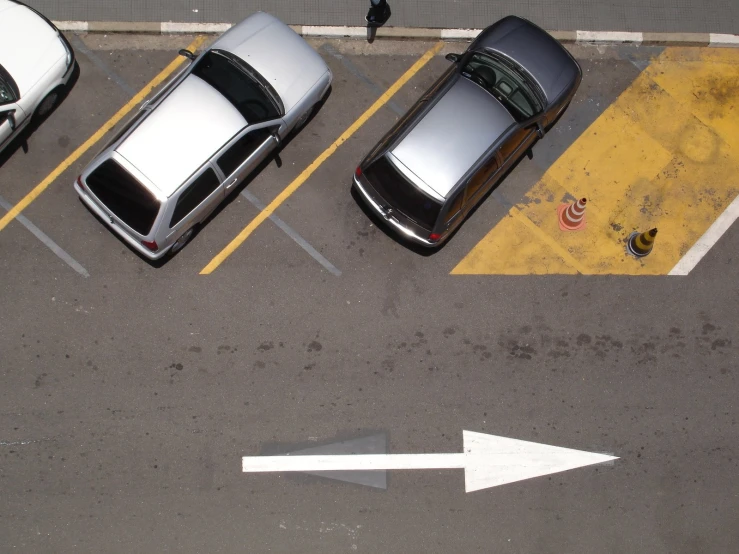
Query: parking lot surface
130,391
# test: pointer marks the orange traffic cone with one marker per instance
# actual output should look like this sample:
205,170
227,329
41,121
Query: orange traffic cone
572,216
640,244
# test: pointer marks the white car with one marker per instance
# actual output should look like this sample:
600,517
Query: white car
36,62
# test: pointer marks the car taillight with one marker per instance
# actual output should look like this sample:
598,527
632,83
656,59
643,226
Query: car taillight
79,182
433,237
150,245
358,172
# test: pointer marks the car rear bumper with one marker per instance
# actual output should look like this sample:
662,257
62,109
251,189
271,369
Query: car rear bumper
391,220
105,218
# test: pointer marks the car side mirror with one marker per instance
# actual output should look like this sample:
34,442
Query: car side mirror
453,57
540,130
277,138
11,120
185,52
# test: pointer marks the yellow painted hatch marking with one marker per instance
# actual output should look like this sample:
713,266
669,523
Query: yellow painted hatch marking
665,154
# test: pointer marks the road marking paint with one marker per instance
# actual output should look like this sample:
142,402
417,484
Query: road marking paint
455,34
43,237
609,36
307,172
718,39
333,31
290,232
74,156
487,460
80,26
80,46
709,238
170,27
354,70
665,154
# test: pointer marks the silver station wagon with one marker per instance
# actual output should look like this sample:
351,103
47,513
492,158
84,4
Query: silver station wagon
190,145
487,110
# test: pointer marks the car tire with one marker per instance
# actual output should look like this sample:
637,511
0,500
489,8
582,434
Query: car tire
47,105
182,241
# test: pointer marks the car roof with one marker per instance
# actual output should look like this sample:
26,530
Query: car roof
451,137
181,134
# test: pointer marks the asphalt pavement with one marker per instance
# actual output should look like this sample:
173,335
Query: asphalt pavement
130,392
699,16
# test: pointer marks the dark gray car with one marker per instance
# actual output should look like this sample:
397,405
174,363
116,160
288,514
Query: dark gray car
478,119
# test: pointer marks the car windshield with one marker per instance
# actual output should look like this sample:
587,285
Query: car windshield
402,195
124,196
8,89
506,83
241,89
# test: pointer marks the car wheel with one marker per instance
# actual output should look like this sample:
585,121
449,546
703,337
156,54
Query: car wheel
47,104
180,243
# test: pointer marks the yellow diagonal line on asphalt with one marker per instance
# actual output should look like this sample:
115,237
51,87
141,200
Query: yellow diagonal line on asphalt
89,143
307,172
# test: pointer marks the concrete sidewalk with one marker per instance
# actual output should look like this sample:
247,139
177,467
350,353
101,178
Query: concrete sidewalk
647,16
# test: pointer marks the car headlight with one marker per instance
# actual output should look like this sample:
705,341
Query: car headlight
67,50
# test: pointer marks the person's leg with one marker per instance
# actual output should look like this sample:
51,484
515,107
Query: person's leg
379,12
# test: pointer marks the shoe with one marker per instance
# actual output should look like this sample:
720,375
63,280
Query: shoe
376,19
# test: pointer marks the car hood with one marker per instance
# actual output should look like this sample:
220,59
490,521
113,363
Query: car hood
29,46
278,53
535,50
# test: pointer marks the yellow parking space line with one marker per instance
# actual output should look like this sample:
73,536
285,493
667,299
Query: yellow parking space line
307,172
90,142
664,155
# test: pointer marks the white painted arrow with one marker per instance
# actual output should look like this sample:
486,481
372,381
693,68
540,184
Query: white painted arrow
487,460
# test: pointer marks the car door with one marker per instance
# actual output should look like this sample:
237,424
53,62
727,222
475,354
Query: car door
8,131
246,151
474,190
516,145
194,203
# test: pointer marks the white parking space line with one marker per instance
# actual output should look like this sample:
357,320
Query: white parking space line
43,237
304,244
688,262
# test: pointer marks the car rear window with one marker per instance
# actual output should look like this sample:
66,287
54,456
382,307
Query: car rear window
124,196
402,195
